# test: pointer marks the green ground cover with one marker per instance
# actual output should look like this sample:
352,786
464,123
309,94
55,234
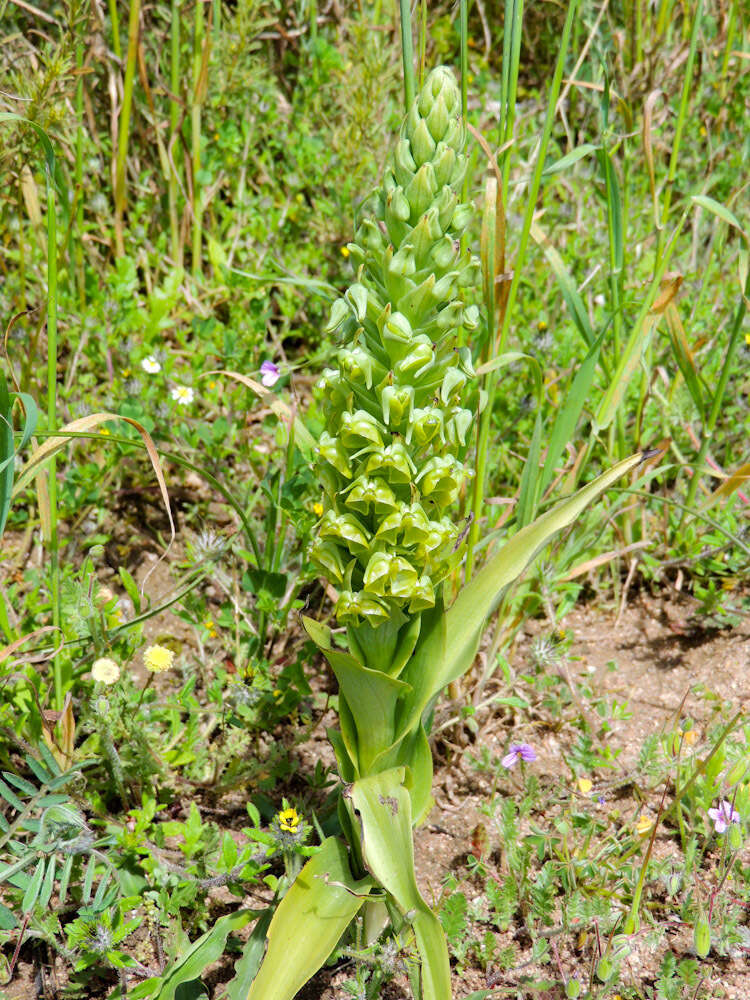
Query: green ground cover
183,188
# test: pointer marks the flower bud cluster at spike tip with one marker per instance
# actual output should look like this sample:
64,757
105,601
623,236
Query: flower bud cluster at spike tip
392,457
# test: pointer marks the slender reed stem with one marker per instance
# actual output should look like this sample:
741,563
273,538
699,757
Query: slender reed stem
681,116
509,81
174,124
491,384
717,401
114,18
80,271
195,122
124,125
407,53
54,552
731,27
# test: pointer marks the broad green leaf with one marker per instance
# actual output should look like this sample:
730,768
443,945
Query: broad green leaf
384,808
48,885
370,695
427,663
614,212
319,906
7,921
466,617
207,949
247,966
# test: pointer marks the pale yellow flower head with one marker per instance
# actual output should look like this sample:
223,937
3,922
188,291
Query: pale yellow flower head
105,671
157,659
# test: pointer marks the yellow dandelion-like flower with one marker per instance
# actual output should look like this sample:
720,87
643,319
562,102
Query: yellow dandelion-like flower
584,785
690,737
747,339
644,824
345,251
278,694
157,659
105,671
318,509
105,431
541,325
289,820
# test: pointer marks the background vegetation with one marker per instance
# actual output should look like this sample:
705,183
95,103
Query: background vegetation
178,184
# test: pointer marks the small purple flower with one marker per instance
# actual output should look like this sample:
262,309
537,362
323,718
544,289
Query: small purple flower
518,751
724,816
269,374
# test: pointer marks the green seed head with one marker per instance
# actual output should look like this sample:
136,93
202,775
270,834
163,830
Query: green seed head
392,457
702,937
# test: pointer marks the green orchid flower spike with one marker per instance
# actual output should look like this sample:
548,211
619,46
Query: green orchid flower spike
392,462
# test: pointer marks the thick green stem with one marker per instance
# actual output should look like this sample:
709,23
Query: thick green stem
114,18
407,52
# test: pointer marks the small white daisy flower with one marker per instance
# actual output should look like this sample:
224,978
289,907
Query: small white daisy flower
105,670
151,365
183,395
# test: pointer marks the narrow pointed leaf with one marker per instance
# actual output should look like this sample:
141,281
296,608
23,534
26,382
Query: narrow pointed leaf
467,615
201,953
247,967
567,417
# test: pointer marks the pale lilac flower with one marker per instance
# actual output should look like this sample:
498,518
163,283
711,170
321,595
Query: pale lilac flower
151,365
518,751
183,395
724,816
269,374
